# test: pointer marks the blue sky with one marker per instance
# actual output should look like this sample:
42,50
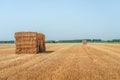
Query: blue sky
61,19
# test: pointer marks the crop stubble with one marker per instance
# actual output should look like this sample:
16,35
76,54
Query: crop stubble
64,62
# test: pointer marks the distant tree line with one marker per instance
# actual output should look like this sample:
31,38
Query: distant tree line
10,41
72,41
114,40
80,40
50,41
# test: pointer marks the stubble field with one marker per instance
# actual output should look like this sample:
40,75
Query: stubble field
68,61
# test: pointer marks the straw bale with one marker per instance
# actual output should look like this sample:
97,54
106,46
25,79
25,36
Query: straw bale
84,41
29,42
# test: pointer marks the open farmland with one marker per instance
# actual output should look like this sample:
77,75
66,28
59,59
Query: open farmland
66,61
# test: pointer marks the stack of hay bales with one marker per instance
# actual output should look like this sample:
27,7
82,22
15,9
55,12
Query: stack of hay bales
84,41
29,42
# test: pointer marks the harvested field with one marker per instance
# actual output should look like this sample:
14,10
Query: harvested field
62,62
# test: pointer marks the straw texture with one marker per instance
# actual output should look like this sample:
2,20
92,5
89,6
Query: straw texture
29,42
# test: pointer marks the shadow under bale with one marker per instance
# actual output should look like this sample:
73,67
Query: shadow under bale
46,52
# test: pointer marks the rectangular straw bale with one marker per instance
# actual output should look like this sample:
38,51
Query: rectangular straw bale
29,42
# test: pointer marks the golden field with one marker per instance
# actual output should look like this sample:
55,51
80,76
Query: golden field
62,61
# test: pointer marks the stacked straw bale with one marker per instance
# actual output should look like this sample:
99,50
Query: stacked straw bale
29,42
84,41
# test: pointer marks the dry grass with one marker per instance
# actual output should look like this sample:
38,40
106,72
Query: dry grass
62,62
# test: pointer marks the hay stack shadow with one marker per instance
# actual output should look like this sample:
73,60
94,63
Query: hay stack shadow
46,52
